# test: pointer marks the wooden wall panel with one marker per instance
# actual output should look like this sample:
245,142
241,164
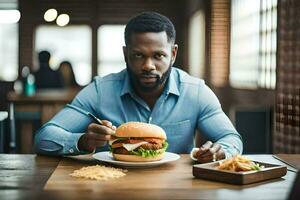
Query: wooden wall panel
80,11
219,42
26,27
287,135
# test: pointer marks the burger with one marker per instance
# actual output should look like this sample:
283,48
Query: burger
138,142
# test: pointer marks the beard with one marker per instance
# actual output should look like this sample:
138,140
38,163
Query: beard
135,79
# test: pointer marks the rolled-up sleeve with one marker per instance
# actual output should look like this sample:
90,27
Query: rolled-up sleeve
59,142
216,126
60,135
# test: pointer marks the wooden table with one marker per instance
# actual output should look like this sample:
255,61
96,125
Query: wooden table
39,108
24,177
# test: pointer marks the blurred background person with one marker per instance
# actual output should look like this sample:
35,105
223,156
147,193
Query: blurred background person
66,70
45,76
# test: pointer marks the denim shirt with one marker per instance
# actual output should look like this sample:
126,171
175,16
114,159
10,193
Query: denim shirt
185,105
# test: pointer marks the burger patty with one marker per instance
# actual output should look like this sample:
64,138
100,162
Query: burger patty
152,146
149,146
120,150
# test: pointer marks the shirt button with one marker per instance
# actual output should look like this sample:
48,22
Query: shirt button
71,151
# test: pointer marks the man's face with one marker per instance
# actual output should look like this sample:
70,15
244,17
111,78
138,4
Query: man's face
149,57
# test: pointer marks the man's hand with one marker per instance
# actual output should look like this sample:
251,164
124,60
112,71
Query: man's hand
96,136
209,152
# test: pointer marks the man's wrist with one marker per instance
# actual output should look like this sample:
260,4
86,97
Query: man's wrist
81,145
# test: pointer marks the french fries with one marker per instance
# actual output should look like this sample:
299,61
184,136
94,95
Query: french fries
239,163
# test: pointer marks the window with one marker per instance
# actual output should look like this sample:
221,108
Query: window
197,44
9,18
9,52
72,43
253,44
268,44
110,53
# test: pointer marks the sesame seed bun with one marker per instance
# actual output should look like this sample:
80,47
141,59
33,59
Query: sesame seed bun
140,129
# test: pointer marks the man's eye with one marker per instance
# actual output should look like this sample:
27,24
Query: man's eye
159,56
137,55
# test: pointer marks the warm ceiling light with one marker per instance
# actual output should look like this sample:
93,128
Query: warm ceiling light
9,16
62,20
50,15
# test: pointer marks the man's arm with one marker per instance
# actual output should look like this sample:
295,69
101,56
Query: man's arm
54,140
60,135
216,126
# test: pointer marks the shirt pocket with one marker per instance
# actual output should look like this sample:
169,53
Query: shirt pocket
180,136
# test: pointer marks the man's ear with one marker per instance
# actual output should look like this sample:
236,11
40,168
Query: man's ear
174,53
125,53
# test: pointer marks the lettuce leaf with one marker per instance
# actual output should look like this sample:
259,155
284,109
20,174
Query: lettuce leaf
110,149
149,153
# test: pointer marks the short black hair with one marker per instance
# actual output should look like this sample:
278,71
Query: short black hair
150,22
44,56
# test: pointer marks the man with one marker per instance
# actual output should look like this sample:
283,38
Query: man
45,76
149,90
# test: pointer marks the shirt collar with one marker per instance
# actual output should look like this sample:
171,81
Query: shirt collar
126,86
171,87
172,84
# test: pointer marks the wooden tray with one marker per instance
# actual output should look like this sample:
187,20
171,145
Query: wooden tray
209,171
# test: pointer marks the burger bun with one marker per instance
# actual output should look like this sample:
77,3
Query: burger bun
140,129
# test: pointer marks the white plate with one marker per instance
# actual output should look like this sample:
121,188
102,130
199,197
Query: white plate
107,157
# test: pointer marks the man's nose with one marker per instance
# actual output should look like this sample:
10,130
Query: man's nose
149,65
